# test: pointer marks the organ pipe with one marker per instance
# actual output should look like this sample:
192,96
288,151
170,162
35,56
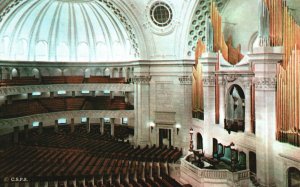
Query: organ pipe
284,31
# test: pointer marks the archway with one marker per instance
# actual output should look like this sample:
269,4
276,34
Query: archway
293,177
199,141
235,109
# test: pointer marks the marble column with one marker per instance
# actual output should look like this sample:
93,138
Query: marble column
112,126
265,60
101,126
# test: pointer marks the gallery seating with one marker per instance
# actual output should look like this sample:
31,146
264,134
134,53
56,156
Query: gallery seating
19,108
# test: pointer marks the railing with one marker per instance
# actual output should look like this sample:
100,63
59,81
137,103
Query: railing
220,175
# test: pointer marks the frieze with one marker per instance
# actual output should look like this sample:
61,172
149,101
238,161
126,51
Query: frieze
185,79
14,90
267,83
141,79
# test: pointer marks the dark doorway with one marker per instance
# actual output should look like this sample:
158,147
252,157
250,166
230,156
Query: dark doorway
235,109
199,141
215,146
293,177
252,162
165,137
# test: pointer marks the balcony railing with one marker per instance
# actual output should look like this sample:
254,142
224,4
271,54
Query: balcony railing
197,176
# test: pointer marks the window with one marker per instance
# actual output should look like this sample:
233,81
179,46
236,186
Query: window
85,91
61,92
106,120
161,14
83,119
62,121
106,91
124,120
36,93
35,123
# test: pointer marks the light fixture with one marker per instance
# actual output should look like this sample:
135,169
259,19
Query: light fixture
191,141
152,125
177,127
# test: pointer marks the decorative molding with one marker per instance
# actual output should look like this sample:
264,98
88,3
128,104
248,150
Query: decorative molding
185,79
265,83
141,79
15,90
10,123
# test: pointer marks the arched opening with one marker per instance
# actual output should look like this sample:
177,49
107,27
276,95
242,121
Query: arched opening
36,73
293,177
199,141
15,73
235,109
87,73
107,72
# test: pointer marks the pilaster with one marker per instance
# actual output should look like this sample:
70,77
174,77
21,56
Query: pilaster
141,108
264,61
208,61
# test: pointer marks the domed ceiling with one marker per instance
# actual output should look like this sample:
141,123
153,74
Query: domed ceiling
65,30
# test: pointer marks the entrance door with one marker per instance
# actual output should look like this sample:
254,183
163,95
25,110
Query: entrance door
252,162
165,137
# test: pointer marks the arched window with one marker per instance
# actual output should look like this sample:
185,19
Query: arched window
293,177
235,109
41,51
199,141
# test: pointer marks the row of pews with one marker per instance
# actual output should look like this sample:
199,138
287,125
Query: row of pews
85,159
17,81
27,107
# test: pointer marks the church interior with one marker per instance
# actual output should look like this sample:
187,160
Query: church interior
149,93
